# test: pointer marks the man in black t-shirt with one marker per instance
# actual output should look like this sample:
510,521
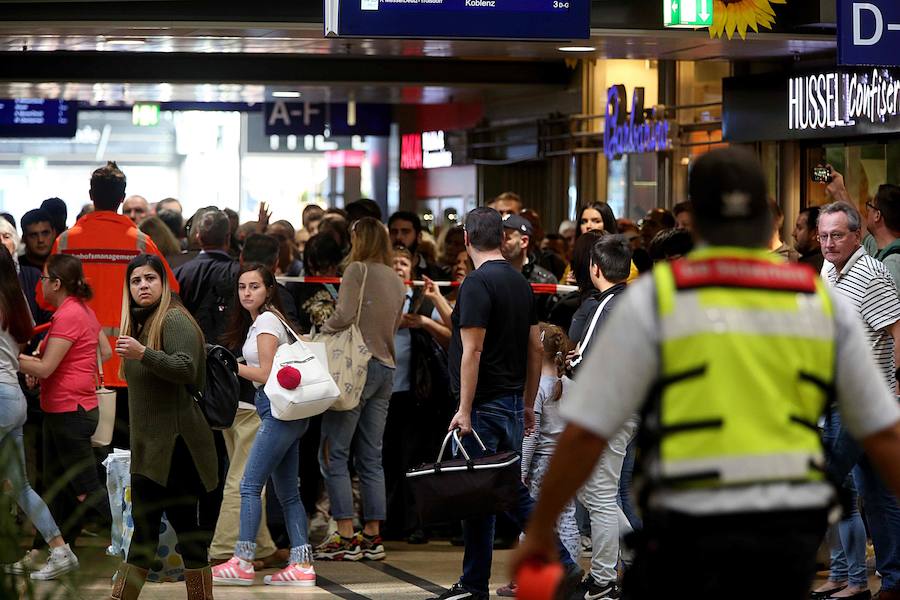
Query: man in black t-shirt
495,366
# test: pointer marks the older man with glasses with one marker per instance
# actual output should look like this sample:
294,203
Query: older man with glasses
868,286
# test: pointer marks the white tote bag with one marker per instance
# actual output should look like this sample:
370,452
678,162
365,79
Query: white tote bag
317,390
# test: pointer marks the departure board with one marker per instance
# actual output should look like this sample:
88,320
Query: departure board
33,117
486,19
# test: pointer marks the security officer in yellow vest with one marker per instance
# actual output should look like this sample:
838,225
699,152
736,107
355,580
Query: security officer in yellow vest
732,356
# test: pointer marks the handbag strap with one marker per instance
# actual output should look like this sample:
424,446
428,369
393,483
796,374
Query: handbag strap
455,435
290,329
362,293
99,366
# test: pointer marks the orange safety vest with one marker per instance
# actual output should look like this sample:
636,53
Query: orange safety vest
105,242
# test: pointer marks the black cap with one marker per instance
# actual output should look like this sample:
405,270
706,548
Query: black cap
728,185
520,224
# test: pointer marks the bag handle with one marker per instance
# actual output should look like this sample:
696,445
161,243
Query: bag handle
99,367
362,293
455,435
286,326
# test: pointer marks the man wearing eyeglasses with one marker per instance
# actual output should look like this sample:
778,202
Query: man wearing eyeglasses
868,286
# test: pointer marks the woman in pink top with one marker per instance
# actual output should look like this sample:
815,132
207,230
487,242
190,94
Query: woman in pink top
67,370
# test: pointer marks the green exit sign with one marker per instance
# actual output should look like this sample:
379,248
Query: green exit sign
687,13
145,115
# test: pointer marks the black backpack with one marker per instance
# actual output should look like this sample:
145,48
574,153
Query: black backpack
212,311
219,400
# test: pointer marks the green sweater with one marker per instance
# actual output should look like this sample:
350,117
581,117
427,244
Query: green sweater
160,408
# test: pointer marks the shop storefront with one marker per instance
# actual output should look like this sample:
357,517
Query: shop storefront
846,117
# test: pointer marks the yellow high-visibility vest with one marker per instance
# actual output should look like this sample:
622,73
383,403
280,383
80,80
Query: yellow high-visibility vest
747,369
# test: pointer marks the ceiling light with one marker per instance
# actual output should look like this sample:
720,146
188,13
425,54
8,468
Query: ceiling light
576,49
288,94
127,42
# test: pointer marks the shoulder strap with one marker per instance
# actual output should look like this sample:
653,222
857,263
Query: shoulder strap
290,329
99,366
590,331
362,293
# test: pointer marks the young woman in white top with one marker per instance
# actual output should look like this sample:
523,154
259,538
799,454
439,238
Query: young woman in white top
257,321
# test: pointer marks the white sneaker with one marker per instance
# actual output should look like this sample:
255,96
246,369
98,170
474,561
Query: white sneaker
62,560
28,563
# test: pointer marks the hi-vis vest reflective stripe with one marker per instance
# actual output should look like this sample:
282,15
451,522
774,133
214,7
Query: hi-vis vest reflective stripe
747,363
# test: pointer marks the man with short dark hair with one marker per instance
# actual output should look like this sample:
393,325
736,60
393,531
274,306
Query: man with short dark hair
364,207
806,238
732,356
106,242
405,229
495,365
58,211
883,223
609,268
684,215
38,234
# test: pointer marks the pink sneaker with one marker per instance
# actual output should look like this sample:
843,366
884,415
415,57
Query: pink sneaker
234,572
293,575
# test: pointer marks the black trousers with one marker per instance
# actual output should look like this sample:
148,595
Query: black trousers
121,436
179,499
707,558
408,442
70,470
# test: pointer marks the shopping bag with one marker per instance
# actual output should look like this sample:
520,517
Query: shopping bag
348,357
308,389
168,566
462,488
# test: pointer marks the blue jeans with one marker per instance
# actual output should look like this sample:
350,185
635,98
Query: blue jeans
500,425
625,501
275,454
363,427
12,461
883,515
848,543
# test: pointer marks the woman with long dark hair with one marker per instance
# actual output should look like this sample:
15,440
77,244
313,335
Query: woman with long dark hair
258,323
595,216
15,330
371,287
173,456
67,369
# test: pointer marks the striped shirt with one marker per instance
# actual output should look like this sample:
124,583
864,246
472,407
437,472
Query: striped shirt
867,284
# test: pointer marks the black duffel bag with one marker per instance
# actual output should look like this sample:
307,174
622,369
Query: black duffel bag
462,488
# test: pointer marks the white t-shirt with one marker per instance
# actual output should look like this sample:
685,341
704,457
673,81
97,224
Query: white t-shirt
266,322
9,358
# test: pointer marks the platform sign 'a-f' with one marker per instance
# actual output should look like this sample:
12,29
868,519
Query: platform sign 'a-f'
687,13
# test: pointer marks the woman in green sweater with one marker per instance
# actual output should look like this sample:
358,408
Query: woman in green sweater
173,456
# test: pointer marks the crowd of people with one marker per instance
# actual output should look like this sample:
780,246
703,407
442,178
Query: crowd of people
128,297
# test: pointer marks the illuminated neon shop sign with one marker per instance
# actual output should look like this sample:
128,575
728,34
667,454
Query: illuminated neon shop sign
633,132
841,99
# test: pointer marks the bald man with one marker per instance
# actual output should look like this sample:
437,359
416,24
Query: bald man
136,208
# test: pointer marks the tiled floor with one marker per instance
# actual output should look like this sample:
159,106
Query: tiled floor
409,573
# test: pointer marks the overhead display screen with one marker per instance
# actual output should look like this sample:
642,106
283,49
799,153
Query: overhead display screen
29,117
487,19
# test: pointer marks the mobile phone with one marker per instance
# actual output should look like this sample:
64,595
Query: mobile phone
821,174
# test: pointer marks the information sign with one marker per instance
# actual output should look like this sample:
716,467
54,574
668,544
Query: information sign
869,32
516,19
305,118
34,117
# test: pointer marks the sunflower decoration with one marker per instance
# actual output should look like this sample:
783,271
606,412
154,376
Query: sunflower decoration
739,15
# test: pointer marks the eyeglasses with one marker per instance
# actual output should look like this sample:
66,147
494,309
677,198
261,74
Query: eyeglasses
48,277
836,237
872,206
